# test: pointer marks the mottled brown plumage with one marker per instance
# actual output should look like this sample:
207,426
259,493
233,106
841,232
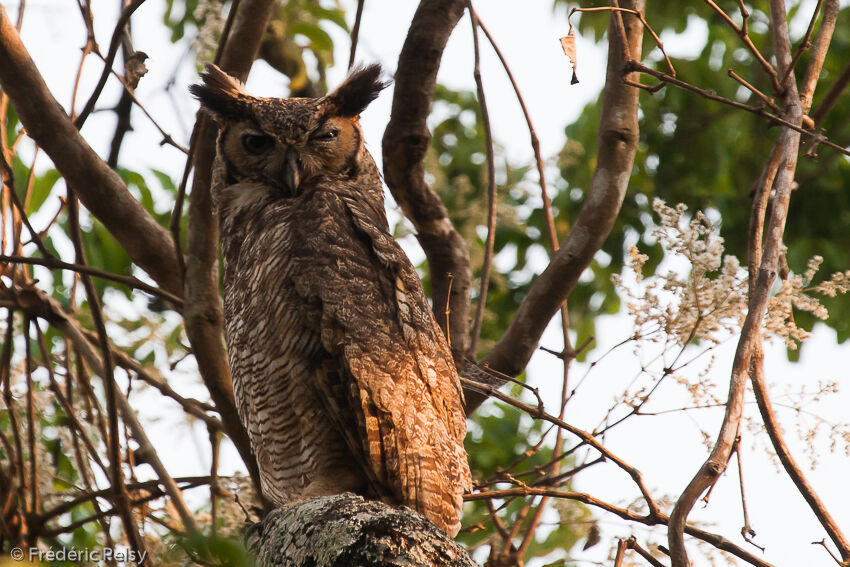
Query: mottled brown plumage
342,377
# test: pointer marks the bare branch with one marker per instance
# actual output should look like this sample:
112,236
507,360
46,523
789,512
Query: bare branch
831,97
36,303
763,265
745,38
121,498
491,192
130,281
716,540
774,431
824,37
203,313
632,543
355,33
101,189
814,137
639,15
114,44
805,43
617,139
406,140
585,437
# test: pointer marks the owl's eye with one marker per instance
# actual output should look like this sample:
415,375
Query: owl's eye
325,136
257,143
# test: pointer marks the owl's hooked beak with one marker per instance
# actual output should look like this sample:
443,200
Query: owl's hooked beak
291,177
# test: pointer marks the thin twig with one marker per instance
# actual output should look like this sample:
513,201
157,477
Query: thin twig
215,443
747,530
355,33
64,403
621,553
491,192
767,100
166,137
114,43
147,485
121,497
9,180
642,20
804,45
814,137
832,95
35,498
743,33
177,211
774,431
632,543
55,264
829,551
716,540
586,437
551,230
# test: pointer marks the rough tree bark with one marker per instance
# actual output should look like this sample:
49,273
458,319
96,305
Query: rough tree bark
345,530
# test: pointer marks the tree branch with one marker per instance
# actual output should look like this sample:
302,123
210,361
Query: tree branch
774,431
617,143
715,540
406,141
37,304
134,283
763,265
203,312
492,197
100,189
345,529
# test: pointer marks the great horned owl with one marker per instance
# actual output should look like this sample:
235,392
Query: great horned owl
341,375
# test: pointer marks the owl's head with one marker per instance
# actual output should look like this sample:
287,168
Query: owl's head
284,142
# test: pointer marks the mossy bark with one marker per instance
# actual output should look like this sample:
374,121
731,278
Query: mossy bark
347,531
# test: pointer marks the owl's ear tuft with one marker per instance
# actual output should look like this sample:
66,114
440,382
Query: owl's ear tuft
221,94
362,86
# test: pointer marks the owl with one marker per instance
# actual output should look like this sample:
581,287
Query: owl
342,377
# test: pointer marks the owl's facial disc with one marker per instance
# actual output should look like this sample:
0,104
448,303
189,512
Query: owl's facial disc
277,159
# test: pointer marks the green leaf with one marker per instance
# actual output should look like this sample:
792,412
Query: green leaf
320,40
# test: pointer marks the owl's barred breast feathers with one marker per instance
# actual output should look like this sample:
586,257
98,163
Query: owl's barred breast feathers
336,357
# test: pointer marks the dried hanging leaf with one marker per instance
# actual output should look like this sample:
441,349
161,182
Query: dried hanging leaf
135,69
568,43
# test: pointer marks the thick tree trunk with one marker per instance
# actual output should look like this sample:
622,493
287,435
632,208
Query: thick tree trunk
347,531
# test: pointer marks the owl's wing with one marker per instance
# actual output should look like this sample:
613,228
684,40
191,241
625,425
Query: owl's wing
376,322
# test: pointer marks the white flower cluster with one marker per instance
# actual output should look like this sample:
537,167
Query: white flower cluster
210,21
795,292
705,299
706,303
